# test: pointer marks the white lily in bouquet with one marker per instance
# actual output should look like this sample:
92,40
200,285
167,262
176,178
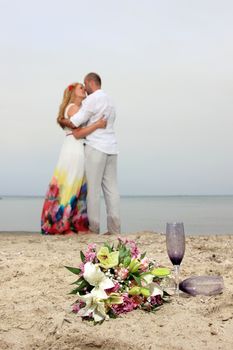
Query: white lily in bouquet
95,305
97,300
95,277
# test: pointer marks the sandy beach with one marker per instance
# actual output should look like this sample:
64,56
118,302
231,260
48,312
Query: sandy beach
35,308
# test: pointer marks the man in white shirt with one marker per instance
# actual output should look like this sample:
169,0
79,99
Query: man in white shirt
100,155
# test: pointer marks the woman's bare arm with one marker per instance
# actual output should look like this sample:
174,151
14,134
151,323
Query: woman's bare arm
66,122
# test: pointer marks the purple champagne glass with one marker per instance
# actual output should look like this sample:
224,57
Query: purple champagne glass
175,241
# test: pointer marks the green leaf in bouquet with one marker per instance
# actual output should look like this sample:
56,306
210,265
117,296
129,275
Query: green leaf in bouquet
109,247
123,252
134,265
82,256
74,270
82,285
126,261
78,281
143,256
161,272
137,279
74,291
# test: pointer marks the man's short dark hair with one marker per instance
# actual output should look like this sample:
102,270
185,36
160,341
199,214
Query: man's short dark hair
95,77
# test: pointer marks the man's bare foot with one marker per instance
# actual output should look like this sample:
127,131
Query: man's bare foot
109,234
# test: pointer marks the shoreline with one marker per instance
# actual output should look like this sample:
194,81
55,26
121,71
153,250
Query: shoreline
124,234
35,308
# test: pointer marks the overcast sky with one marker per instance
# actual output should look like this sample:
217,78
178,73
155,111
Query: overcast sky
168,65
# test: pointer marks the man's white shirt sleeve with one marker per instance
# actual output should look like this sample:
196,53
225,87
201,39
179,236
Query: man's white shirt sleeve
84,114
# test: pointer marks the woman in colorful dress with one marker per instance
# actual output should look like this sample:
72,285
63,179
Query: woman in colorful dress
64,210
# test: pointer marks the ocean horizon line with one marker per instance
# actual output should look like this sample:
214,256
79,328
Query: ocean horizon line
2,196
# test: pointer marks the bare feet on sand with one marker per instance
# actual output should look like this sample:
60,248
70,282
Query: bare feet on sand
109,234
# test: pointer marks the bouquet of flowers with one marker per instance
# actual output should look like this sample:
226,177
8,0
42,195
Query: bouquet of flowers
116,279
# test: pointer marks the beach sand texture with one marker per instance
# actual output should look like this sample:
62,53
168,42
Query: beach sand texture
35,308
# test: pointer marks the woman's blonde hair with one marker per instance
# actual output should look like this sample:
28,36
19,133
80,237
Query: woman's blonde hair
67,98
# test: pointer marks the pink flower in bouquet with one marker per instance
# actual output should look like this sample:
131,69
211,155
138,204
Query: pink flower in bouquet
144,264
156,300
121,272
113,289
134,249
152,301
90,255
129,304
91,246
76,307
81,266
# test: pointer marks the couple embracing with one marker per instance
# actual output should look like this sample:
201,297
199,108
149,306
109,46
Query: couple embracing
87,163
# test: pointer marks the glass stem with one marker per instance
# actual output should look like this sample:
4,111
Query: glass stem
177,277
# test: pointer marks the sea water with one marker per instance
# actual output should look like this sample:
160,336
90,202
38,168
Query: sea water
200,214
